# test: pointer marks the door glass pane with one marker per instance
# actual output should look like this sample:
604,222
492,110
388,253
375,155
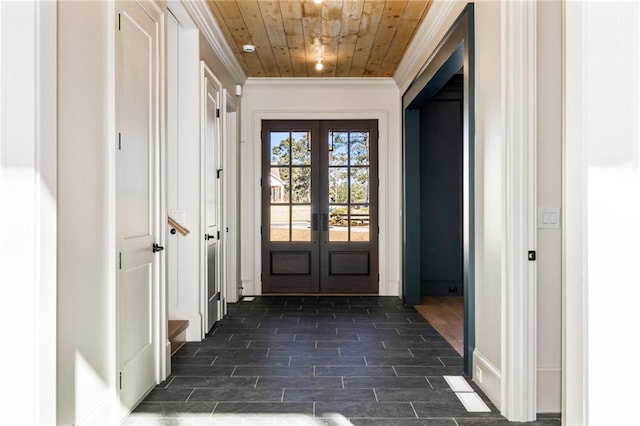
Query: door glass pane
359,221
301,223
280,223
359,144
280,152
338,223
338,185
359,182
338,148
301,184
279,184
301,148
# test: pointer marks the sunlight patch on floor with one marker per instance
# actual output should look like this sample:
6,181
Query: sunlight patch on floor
246,419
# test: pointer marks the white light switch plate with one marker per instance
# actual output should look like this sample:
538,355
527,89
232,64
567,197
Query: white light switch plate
179,216
549,218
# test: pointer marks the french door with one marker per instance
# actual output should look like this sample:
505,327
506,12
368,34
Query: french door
320,206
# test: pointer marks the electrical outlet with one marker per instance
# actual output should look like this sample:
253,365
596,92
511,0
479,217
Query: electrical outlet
478,374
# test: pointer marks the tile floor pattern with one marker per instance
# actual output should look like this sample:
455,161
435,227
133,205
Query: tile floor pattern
315,361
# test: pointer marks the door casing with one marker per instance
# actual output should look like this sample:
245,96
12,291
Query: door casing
319,253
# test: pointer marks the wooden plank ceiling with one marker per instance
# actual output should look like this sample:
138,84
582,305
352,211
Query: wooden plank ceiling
356,38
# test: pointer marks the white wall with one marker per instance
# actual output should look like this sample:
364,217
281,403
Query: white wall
549,182
186,47
490,182
505,131
183,175
28,195
318,98
86,215
602,195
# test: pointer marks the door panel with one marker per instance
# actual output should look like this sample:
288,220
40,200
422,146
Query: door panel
319,207
289,187
136,97
212,214
349,195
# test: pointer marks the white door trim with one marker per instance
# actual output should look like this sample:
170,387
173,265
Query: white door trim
255,287
574,193
205,73
519,274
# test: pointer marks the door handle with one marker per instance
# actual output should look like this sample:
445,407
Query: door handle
209,237
314,222
325,222
157,247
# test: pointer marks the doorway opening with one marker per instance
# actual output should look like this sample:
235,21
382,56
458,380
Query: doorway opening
320,207
438,180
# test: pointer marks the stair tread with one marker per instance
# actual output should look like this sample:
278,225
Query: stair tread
176,327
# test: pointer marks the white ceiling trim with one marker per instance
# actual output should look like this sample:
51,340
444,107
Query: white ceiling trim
435,26
321,82
203,18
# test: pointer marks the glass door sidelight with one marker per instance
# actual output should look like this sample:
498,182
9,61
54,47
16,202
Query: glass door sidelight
319,207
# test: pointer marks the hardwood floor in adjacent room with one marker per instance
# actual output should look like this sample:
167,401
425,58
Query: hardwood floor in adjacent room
446,315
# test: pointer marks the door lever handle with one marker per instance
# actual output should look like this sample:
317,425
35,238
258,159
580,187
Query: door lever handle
157,247
314,222
209,237
325,222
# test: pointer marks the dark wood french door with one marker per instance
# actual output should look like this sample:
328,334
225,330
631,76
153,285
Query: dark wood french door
320,206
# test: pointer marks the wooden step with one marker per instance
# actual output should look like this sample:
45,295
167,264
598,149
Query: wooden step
177,334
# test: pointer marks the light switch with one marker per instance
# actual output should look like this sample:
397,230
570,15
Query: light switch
549,218
179,216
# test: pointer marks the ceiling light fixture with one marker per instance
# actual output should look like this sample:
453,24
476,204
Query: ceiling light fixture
248,48
319,65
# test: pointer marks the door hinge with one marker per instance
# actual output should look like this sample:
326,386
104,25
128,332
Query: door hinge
378,277
218,113
260,276
260,230
120,260
119,141
121,380
218,236
218,172
260,182
118,22
378,229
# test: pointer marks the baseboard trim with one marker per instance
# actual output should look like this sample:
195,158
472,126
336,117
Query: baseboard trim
392,288
549,392
491,383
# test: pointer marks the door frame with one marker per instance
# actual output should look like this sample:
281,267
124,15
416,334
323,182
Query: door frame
382,116
205,72
159,322
318,279
455,51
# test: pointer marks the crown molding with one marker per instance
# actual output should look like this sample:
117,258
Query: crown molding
203,18
321,82
435,26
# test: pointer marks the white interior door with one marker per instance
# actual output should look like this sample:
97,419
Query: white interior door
137,115
212,204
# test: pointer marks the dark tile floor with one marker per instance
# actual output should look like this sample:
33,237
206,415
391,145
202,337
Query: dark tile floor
315,361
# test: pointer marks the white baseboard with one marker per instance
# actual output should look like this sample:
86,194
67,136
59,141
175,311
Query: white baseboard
104,413
249,288
549,395
391,288
491,378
